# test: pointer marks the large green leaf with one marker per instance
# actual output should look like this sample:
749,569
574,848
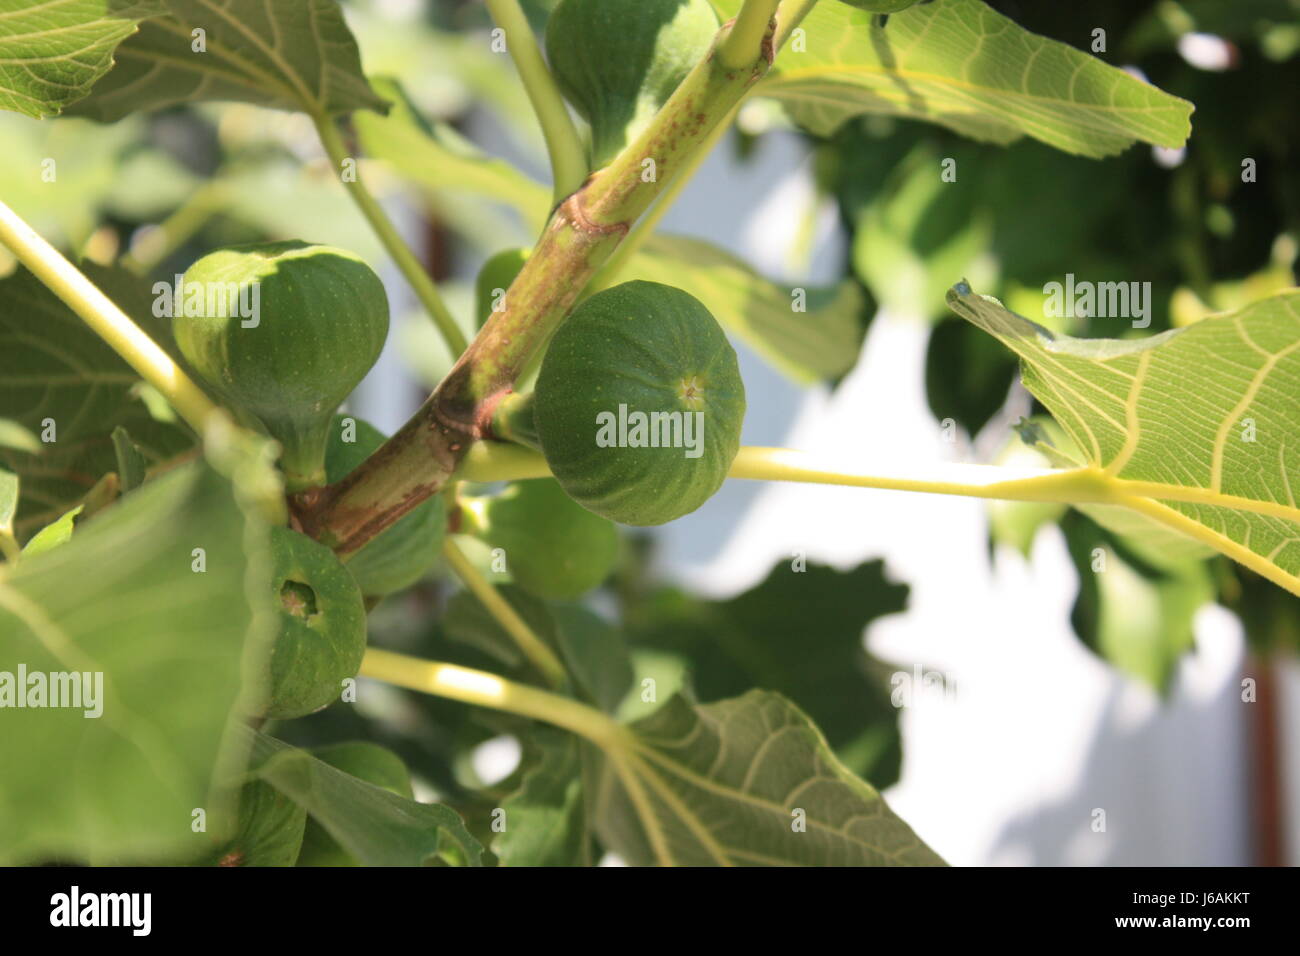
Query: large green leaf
819,341
52,52
293,55
1193,429
963,65
377,826
123,599
54,369
743,782
798,633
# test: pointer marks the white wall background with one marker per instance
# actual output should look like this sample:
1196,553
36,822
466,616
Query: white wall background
1011,766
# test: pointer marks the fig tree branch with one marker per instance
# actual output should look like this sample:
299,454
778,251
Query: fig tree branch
581,235
751,26
645,227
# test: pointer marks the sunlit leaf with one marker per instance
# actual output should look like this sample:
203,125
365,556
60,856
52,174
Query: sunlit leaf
961,64
1193,429
51,53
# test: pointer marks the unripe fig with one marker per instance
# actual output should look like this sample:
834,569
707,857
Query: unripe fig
618,61
553,547
399,555
639,404
322,626
284,331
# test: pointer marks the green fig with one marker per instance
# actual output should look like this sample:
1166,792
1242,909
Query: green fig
618,61
322,626
639,404
553,547
401,554
284,331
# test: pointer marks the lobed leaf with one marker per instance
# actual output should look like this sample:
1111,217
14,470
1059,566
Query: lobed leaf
297,56
62,382
1193,429
52,52
732,783
798,633
123,599
961,64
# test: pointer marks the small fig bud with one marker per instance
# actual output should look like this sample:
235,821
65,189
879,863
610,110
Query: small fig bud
322,626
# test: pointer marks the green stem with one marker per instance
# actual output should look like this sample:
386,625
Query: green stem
488,690
108,321
789,17
493,461
534,648
568,157
748,33
410,266
499,461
